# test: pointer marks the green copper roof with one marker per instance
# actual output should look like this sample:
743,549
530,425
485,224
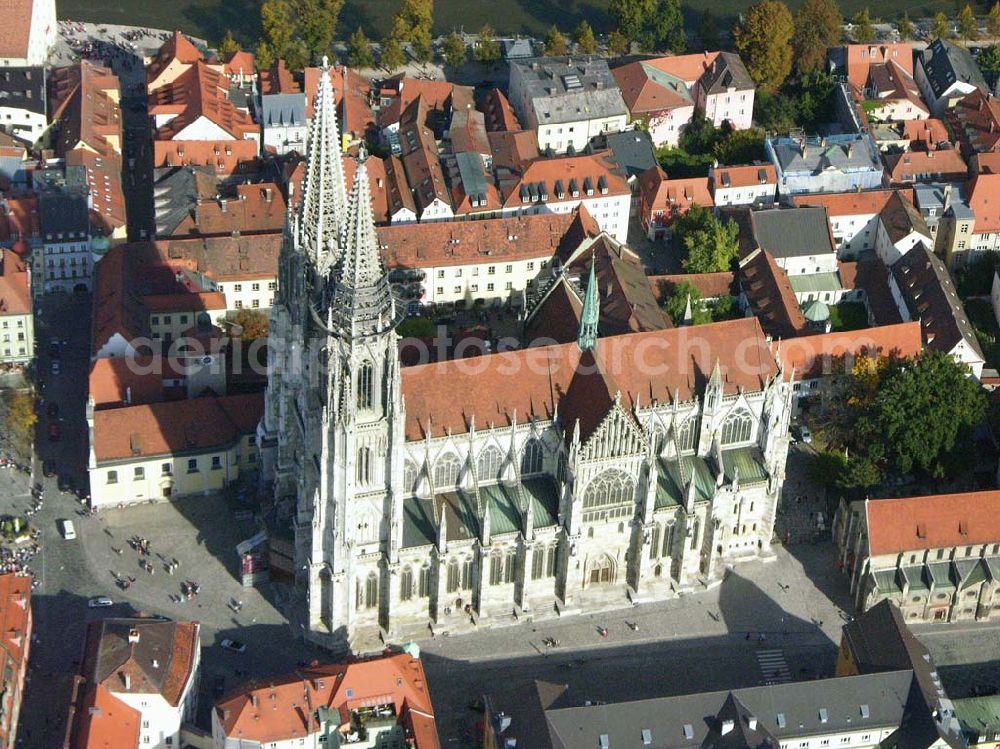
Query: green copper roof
941,574
503,501
748,461
816,311
915,578
674,475
970,572
886,582
590,314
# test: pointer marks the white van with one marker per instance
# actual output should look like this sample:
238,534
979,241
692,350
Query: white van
67,529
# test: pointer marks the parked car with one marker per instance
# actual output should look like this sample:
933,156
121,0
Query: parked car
100,603
52,410
805,435
67,529
53,432
235,645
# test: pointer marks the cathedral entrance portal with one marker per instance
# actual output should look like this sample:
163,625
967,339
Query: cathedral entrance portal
601,571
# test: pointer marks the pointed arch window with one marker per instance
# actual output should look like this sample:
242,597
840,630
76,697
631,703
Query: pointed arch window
406,584
364,466
601,570
371,591
424,584
550,561
489,464
687,435
410,472
613,487
531,458
737,427
496,567
654,542
446,471
537,562
509,566
453,575
366,385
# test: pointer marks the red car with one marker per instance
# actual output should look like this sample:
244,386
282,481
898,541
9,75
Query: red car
53,432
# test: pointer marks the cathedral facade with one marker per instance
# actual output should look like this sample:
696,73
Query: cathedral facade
556,479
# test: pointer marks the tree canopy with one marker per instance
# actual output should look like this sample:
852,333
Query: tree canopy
993,21
555,43
253,322
297,30
618,44
941,28
989,63
655,24
488,49
676,305
864,29
905,26
764,40
709,244
818,26
584,38
454,50
228,46
359,50
708,31
392,56
19,419
967,24
909,417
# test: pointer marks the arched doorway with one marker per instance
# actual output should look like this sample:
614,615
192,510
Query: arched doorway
600,570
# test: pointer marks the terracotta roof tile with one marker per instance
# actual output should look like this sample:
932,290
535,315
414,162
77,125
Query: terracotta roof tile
201,91
662,200
278,79
984,200
812,356
929,132
355,115
709,285
15,31
172,427
943,165
446,396
225,157
240,62
689,68
975,120
177,48
561,176
770,295
403,91
499,113
256,209
19,219
867,202
860,59
104,721
934,522
15,288
645,96
513,150
119,381
749,175
284,708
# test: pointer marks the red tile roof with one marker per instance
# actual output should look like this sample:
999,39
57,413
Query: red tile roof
644,96
355,114
15,644
749,175
928,133
975,120
499,113
19,219
567,173
865,203
420,157
689,68
403,91
15,287
984,200
661,200
273,711
278,79
709,285
814,355
770,295
934,522
240,62
676,363
15,31
225,157
256,209
104,721
438,243
200,91
860,59
177,47
944,165
120,381
171,427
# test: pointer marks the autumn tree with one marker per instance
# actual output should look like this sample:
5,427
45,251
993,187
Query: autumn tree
277,27
422,44
864,29
359,50
263,55
417,18
818,26
631,16
317,20
228,46
993,21
555,43
488,49
967,24
454,50
941,28
19,420
392,56
583,36
905,26
253,324
618,44
988,61
764,40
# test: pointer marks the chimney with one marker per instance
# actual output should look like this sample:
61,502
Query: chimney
727,727
133,636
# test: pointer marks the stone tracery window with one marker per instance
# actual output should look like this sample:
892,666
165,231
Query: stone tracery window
410,473
446,471
737,427
406,583
613,487
687,435
489,464
531,458
366,385
364,466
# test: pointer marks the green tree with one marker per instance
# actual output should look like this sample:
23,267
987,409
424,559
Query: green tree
709,245
278,27
422,44
263,55
19,422
941,28
668,27
488,49
739,146
989,63
418,17
632,16
555,43
967,24
253,323
993,21
417,327
454,50
228,46
401,30
905,26
699,135
708,31
676,305
618,44
583,36
359,50
392,56
913,417
864,29
764,40
318,24
818,26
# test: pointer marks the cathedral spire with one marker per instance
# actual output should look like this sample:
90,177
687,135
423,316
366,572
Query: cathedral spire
323,201
362,301
587,339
